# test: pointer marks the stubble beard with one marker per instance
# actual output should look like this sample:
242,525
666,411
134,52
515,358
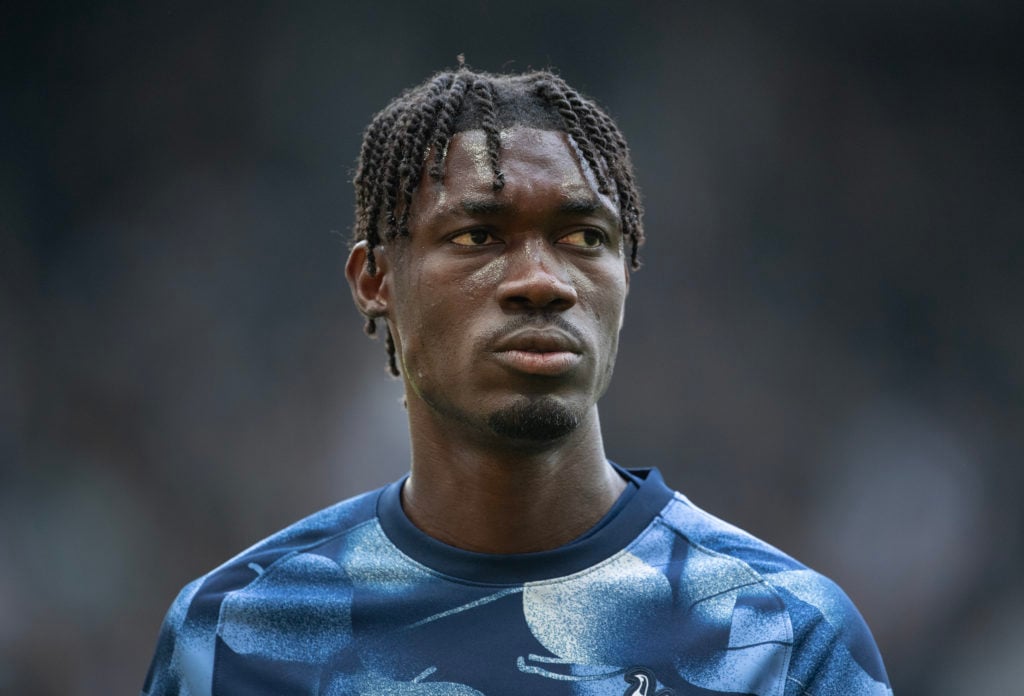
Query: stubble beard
540,419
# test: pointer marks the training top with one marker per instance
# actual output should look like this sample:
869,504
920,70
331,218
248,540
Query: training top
659,598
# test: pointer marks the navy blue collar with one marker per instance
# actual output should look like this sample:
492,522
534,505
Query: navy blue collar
627,518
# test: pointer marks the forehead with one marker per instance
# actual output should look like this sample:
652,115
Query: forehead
530,159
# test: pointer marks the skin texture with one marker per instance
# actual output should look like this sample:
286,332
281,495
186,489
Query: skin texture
505,308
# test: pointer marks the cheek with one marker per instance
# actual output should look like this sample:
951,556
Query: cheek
435,319
605,296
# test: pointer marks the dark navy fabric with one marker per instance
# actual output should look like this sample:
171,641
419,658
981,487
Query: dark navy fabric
657,598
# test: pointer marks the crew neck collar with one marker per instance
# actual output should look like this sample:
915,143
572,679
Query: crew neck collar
626,519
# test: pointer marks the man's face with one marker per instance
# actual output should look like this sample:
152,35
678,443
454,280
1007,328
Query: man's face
506,306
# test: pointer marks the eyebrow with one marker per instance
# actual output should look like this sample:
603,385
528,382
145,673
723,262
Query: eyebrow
482,206
577,205
580,206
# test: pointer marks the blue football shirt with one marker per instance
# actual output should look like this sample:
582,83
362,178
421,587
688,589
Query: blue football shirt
658,598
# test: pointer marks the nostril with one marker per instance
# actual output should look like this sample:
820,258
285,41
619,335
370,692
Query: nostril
546,300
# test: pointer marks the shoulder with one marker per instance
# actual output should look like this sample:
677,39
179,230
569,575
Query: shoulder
714,535
302,537
183,661
830,645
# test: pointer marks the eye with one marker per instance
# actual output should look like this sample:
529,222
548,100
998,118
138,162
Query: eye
474,238
587,238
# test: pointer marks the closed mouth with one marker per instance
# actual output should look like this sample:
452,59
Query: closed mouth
538,341
538,352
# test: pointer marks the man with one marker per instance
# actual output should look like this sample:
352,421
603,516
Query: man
496,225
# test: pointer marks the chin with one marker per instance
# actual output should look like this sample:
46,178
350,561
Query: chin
540,419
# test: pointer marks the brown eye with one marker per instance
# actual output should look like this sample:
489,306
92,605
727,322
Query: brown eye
474,238
588,239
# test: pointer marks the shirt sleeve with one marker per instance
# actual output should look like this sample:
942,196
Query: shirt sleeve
833,650
182,663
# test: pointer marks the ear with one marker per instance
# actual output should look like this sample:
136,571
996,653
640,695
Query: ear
369,292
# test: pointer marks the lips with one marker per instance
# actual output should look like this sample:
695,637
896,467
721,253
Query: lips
538,352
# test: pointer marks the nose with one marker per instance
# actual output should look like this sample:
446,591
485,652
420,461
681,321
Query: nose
536,279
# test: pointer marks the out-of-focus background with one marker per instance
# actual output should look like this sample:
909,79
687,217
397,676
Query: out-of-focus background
825,346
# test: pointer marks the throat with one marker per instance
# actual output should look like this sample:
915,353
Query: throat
506,517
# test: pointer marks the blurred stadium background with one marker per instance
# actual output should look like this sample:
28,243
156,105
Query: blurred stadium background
825,346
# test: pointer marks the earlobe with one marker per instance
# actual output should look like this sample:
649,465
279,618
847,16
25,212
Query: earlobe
369,291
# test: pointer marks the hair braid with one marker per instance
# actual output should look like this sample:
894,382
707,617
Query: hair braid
556,95
484,93
390,175
367,199
591,125
403,198
446,122
376,146
630,206
415,148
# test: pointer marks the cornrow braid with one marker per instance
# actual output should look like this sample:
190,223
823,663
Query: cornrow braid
484,93
413,132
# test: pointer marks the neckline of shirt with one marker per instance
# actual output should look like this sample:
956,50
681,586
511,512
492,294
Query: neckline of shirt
642,500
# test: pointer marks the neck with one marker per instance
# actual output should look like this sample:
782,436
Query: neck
490,495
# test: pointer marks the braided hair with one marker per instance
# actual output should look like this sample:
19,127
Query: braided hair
422,122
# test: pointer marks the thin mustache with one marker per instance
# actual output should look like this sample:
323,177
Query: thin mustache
534,321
